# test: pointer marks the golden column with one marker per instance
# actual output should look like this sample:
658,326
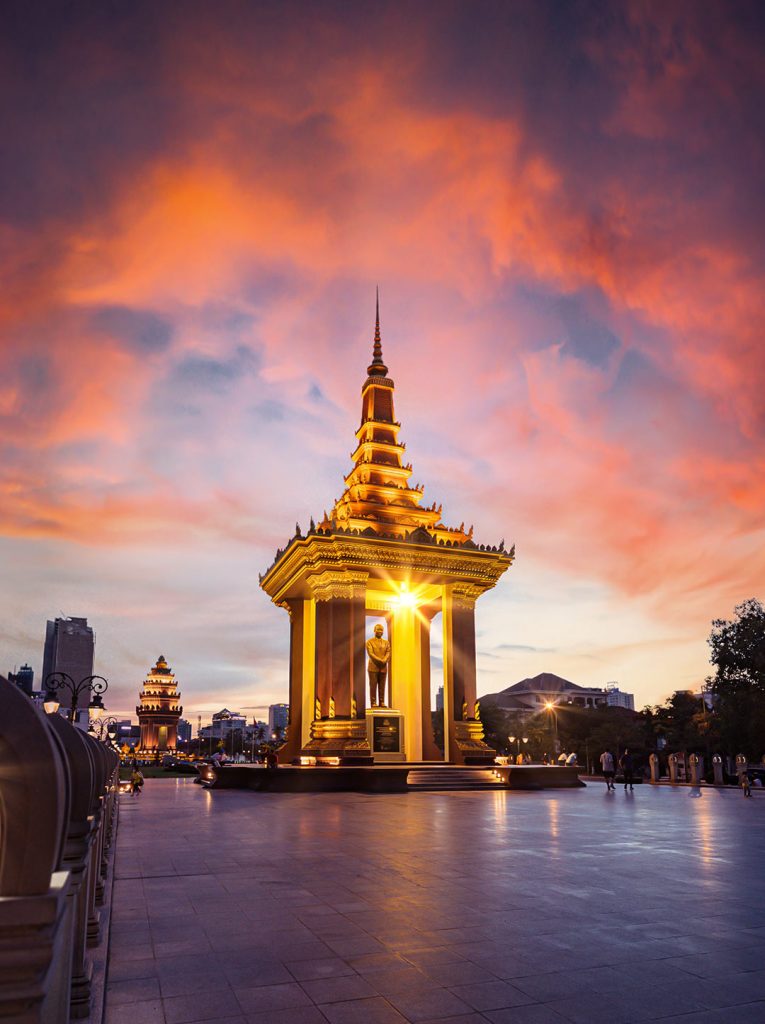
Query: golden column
381,553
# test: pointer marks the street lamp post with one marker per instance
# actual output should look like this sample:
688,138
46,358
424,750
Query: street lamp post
102,727
550,706
518,740
57,681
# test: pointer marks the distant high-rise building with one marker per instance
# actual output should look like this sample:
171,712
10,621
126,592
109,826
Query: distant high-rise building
159,710
24,679
184,730
616,699
440,699
278,717
69,648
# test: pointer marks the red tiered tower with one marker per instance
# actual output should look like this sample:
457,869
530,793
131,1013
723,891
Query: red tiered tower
159,711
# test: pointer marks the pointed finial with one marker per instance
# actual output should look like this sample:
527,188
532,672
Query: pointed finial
377,367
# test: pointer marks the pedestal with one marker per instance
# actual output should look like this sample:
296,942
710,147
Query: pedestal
343,739
385,732
467,745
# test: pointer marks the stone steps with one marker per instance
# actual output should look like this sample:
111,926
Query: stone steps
452,779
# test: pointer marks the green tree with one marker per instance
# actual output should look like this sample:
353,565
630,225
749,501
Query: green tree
738,654
680,721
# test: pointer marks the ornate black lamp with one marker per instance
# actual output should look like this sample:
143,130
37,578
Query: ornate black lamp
57,681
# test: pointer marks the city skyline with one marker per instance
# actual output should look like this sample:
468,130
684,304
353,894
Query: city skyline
562,211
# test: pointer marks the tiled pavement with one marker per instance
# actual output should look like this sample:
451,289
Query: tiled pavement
513,908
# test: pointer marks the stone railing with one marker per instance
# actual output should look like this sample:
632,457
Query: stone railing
58,802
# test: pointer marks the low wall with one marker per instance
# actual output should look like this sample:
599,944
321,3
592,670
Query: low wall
58,788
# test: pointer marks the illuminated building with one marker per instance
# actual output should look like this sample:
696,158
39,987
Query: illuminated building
380,553
224,722
159,711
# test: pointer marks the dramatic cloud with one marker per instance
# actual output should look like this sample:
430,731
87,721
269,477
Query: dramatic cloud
562,206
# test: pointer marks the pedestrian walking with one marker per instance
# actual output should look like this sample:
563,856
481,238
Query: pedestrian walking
626,765
743,781
136,781
607,767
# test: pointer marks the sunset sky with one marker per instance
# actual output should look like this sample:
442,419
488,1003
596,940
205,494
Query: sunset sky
562,205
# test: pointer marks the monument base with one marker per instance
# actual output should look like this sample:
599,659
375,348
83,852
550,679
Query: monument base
468,741
339,738
385,734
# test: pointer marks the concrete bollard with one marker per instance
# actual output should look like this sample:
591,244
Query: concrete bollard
717,768
696,764
653,761
672,762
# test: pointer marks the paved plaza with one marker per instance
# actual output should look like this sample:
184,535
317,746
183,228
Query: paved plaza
514,908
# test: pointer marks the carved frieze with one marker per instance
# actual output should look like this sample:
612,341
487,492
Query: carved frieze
337,583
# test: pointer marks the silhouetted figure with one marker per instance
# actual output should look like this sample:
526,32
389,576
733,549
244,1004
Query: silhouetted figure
626,765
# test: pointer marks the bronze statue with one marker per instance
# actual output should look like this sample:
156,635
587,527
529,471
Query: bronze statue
378,650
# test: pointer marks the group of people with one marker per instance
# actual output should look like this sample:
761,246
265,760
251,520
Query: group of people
608,766
563,759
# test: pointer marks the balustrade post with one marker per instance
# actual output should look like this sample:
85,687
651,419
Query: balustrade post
78,854
36,908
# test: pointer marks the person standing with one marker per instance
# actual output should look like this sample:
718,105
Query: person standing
626,765
743,781
607,767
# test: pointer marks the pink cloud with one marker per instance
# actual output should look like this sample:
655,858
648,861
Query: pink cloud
282,197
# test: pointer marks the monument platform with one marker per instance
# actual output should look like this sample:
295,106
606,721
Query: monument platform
386,778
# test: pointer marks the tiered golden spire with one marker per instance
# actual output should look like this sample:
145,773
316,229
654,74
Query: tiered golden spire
159,691
378,497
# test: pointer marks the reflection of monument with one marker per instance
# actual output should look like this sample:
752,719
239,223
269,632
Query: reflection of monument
158,711
380,553
378,650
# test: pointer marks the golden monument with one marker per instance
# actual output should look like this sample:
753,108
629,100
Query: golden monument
381,554
158,710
